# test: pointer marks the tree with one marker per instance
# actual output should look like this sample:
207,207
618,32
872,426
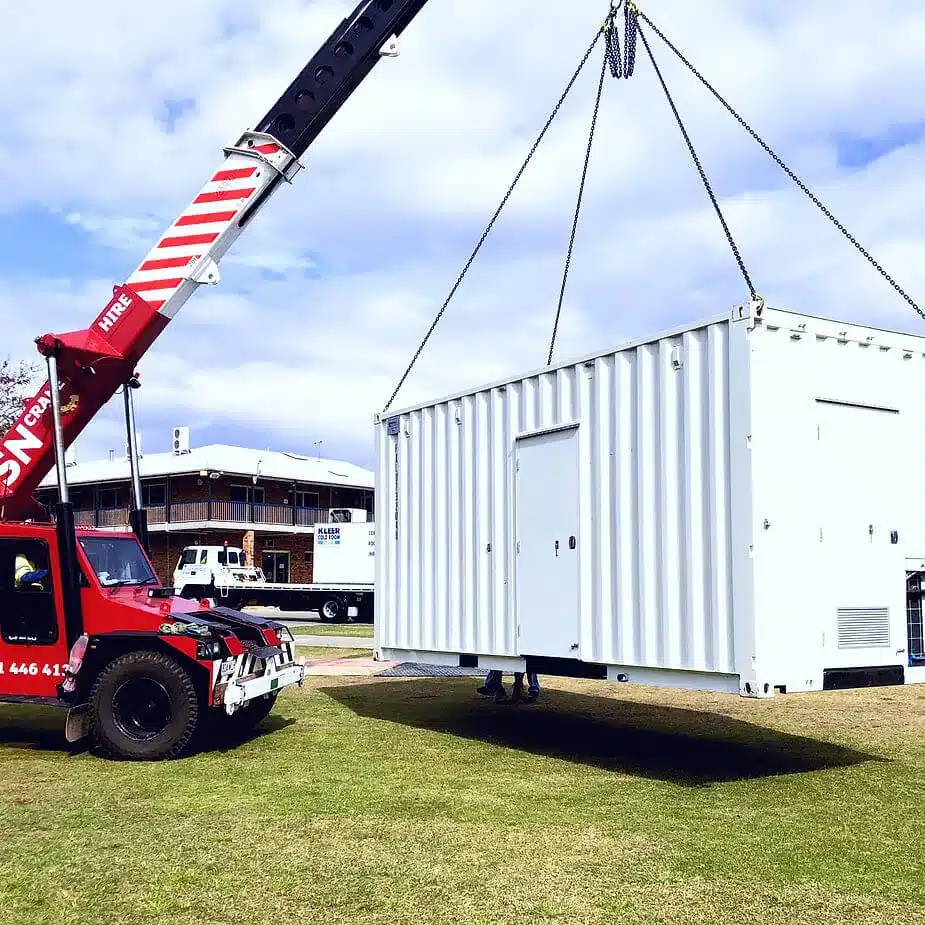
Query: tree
16,382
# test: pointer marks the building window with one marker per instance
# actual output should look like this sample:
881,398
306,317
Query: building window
154,495
307,499
106,499
250,494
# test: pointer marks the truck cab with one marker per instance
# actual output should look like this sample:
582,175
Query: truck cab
200,570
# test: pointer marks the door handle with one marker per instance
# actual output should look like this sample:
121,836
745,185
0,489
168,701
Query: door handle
557,547
572,542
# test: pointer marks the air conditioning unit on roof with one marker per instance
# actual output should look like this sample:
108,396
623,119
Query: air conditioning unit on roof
180,440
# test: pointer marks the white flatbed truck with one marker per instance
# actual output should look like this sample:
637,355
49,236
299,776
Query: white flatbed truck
344,569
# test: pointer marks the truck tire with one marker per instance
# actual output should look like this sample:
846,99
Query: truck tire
332,610
143,707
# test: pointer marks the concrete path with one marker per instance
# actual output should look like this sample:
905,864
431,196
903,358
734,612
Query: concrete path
347,667
336,642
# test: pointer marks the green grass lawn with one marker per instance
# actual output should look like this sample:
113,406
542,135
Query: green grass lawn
412,801
360,630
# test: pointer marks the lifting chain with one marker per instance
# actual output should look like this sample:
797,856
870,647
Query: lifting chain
584,60
756,300
622,66
581,191
780,163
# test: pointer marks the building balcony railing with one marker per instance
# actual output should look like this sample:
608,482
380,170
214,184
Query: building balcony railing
192,512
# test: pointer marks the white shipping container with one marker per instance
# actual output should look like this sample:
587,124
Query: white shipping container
733,506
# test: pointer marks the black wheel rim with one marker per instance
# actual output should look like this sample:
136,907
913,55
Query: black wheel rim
141,709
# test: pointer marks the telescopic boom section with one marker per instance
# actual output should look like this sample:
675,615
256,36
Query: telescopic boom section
93,363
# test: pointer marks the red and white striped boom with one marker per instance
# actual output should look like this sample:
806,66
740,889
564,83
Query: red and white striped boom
94,363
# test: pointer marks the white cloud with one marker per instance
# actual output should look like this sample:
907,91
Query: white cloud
400,184
119,233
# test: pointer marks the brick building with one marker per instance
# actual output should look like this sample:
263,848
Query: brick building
265,502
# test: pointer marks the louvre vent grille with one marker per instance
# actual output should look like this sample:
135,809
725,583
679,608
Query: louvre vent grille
863,627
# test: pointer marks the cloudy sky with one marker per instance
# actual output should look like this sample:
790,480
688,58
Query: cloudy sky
112,116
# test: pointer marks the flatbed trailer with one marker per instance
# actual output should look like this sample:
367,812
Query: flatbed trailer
344,560
335,603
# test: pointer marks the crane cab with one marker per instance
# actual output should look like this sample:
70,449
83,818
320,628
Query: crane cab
145,670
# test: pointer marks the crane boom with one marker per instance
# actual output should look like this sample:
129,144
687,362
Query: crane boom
94,363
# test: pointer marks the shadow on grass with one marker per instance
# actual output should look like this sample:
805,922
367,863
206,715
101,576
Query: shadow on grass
231,739
684,746
33,728
41,729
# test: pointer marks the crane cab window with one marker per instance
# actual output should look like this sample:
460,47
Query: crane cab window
118,561
27,602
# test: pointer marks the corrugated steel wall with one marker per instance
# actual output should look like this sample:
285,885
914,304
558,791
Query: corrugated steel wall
655,541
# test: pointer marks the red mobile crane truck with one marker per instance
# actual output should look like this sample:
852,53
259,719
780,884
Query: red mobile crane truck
84,622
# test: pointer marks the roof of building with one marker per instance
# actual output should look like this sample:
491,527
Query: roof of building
227,460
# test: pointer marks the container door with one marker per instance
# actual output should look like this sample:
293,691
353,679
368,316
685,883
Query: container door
547,574
860,490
